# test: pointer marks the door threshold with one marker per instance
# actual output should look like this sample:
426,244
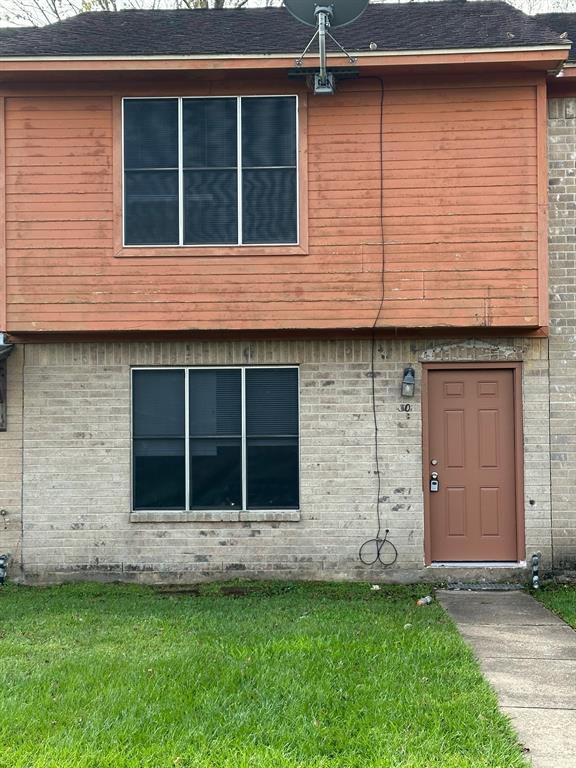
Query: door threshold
479,564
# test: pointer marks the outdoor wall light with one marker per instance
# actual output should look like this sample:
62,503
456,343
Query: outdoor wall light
408,382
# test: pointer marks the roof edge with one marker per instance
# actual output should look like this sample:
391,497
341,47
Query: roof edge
294,54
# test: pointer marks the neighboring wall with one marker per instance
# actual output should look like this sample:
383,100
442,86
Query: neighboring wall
562,248
461,203
77,464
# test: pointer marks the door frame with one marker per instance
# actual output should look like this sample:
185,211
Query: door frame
516,368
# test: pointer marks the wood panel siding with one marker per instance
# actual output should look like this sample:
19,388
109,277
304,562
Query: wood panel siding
463,212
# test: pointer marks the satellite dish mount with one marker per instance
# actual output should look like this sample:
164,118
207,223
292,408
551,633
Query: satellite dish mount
323,80
323,17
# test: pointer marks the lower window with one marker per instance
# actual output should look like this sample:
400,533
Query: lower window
215,438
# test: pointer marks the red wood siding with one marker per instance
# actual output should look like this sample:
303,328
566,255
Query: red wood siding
464,210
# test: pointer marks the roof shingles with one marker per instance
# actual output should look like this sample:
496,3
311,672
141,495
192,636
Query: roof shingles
450,25
561,23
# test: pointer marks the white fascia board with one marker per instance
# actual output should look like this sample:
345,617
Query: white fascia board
287,55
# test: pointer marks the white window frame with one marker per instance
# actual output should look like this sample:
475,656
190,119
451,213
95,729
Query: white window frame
239,243
187,369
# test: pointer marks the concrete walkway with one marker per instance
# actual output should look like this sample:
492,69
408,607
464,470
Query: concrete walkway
529,656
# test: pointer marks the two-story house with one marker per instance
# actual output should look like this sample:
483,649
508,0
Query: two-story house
249,328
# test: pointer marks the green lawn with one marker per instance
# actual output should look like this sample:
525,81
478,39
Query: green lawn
270,675
561,599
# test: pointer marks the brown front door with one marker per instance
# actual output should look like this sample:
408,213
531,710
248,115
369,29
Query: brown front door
471,445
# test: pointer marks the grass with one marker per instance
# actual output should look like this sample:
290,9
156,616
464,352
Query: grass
253,675
560,598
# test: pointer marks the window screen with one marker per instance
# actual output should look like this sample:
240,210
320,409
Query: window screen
269,132
239,449
272,438
150,133
210,171
194,168
215,439
269,170
151,207
159,444
151,214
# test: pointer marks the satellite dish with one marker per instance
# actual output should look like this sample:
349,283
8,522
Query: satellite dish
342,11
323,16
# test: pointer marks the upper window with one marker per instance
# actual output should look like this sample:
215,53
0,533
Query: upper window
210,171
215,438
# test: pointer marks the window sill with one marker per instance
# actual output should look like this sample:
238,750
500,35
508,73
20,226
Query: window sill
216,516
155,252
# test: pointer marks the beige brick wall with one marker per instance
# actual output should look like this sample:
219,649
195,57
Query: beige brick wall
11,465
76,492
562,249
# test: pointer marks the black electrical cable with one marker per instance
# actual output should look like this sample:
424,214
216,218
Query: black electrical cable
378,550
381,550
